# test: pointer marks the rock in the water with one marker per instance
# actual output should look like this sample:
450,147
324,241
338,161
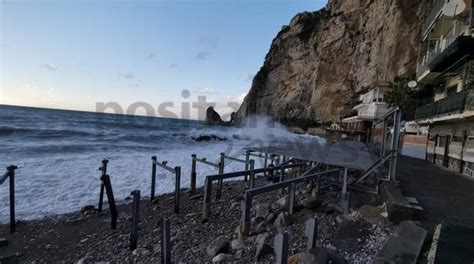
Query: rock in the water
283,220
311,202
237,244
212,117
218,245
140,252
222,257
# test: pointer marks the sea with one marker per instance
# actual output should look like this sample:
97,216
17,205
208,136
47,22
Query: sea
59,152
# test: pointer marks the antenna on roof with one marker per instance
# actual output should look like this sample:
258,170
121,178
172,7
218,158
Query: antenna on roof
454,8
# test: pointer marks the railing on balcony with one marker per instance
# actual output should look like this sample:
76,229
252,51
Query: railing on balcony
456,103
432,14
458,29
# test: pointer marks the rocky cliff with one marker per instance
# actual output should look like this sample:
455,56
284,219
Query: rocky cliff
319,64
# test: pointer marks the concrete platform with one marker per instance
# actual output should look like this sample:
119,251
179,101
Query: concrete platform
404,246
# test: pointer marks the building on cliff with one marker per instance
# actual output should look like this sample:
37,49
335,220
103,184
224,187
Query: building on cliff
446,70
372,107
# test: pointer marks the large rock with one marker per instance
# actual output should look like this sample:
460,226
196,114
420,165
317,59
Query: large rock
222,258
218,245
398,207
319,64
212,117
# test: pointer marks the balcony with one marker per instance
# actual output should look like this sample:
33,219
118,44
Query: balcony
453,104
431,15
450,48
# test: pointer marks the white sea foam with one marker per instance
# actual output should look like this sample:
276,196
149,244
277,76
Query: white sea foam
59,183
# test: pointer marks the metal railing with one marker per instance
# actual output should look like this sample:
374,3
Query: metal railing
458,29
452,104
10,174
432,14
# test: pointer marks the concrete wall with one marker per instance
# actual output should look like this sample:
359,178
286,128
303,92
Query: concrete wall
461,148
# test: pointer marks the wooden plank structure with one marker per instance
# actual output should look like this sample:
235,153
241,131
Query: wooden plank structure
10,174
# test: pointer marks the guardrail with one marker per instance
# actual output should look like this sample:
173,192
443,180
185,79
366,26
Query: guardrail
177,184
291,184
10,174
251,173
452,104
219,166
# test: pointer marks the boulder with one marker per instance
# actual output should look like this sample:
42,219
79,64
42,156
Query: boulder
222,257
282,202
262,210
262,248
283,220
87,208
311,202
218,245
237,244
140,252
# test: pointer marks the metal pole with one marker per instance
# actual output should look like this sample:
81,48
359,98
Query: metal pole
395,143
153,178
11,170
165,241
135,219
291,199
281,248
110,197
221,171
245,221
206,203
265,163
384,139
247,162
252,174
311,232
193,174
177,189
101,195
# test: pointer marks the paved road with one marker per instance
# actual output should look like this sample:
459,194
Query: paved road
446,196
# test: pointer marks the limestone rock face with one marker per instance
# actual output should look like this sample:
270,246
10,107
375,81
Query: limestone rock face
319,64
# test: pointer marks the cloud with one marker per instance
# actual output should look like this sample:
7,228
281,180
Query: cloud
206,90
202,55
209,41
127,75
50,66
151,56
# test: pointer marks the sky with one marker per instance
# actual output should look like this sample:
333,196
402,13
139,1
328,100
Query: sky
77,54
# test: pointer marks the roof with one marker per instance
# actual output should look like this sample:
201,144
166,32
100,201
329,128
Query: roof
349,154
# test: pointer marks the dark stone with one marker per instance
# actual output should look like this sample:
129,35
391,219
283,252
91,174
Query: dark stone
13,259
87,208
350,233
212,117
218,245
398,207
3,242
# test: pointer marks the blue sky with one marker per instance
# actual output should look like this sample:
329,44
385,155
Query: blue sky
73,54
